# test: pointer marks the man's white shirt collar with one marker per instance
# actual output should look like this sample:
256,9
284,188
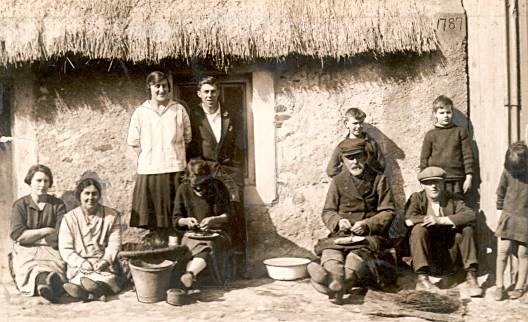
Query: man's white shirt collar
215,121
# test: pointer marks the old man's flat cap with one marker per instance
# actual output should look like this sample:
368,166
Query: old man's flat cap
352,146
431,173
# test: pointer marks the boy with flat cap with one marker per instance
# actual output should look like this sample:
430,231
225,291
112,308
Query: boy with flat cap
442,231
359,206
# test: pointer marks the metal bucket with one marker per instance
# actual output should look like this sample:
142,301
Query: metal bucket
151,278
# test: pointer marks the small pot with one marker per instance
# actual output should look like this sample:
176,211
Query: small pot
287,268
176,296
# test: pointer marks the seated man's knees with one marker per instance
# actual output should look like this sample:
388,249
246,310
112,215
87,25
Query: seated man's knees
468,231
332,255
334,267
353,261
465,233
351,278
419,231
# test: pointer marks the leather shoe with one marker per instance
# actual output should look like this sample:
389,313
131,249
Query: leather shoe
317,273
92,287
515,294
338,288
472,284
424,284
46,292
75,291
338,298
54,281
321,288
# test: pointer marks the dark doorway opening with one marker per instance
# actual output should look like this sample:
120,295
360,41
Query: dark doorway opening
6,174
235,99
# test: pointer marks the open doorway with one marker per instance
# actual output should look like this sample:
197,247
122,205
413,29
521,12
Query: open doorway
6,176
235,99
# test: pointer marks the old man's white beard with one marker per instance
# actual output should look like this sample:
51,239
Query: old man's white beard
356,171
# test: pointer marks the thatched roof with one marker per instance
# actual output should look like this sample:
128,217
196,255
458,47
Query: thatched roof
137,30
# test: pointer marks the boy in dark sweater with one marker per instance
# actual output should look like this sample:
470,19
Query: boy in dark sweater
448,146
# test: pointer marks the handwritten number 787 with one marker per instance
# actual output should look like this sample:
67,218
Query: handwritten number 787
449,24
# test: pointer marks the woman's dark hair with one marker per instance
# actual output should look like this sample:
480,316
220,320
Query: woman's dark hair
156,78
198,167
85,183
38,168
516,159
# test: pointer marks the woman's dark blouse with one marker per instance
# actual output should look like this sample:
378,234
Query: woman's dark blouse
27,215
214,202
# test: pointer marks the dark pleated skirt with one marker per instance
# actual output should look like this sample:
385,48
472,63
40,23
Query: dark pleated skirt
153,200
513,226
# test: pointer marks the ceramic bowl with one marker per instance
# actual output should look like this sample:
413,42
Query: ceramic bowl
286,268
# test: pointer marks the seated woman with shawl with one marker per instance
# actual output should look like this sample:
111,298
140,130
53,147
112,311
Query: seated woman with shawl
36,264
89,240
201,208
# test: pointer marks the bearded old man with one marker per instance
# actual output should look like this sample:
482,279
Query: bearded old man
358,211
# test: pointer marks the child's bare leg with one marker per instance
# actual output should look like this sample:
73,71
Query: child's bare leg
193,268
503,249
196,265
522,253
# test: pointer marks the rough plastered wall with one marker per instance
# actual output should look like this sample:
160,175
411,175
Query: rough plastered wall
395,92
79,121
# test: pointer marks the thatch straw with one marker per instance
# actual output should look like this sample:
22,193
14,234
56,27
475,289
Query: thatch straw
139,30
429,302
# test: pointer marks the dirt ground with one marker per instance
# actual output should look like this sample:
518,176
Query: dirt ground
260,300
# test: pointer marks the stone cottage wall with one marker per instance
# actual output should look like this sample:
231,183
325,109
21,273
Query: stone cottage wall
76,122
79,122
396,93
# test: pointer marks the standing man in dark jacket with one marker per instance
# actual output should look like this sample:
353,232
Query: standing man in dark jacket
218,139
358,211
442,231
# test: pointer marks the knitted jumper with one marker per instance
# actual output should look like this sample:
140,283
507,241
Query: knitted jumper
450,149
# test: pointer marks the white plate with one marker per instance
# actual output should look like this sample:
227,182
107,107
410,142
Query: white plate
349,240
202,236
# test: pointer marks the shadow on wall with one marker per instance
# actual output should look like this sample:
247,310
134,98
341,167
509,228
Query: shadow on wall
392,153
485,237
263,241
89,86
394,68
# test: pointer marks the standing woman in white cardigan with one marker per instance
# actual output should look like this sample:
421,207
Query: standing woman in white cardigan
159,131
89,240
